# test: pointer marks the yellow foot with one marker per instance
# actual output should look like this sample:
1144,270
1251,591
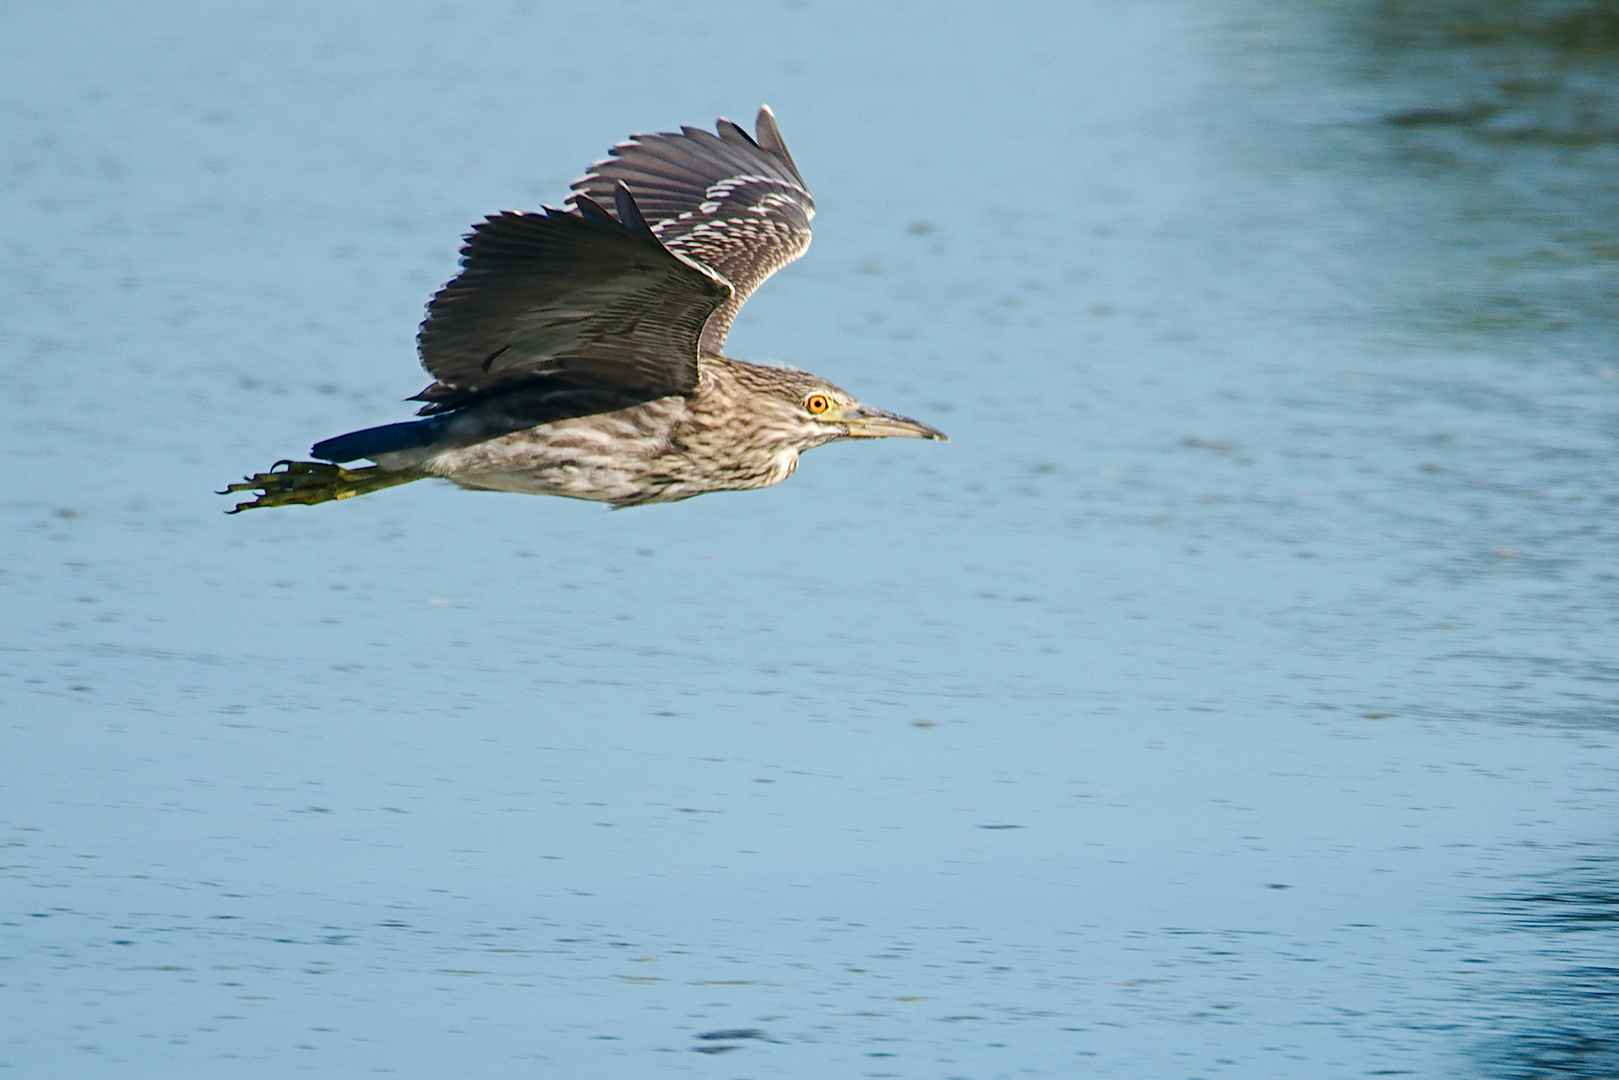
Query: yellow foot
305,483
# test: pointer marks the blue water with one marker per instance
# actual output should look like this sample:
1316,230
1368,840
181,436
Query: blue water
1234,695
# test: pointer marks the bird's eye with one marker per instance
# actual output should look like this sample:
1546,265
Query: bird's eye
817,403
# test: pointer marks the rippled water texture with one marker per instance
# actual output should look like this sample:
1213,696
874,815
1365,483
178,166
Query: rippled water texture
1234,695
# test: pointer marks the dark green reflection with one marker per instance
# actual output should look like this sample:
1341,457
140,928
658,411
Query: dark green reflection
1562,1023
1514,108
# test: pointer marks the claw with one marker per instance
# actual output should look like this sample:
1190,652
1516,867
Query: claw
305,483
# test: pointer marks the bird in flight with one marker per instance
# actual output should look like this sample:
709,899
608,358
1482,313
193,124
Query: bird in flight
578,351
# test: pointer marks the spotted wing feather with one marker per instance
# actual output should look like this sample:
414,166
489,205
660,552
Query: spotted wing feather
733,202
576,301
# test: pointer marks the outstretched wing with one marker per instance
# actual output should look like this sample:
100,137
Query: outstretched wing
731,202
587,301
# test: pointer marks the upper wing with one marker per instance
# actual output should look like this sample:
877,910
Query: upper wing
736,205
585,300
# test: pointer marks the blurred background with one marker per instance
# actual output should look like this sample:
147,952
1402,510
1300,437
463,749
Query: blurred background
1234,695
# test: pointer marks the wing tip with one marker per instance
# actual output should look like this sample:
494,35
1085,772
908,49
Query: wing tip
629,214
735,134
769,138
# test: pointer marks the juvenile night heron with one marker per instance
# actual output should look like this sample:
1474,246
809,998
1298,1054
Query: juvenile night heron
578,351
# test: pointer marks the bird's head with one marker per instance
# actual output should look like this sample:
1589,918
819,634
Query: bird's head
810,411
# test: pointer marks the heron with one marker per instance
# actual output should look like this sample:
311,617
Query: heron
579,351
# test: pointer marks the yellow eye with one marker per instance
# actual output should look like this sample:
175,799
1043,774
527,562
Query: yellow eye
817,403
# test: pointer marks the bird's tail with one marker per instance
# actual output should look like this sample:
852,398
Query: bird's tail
305,483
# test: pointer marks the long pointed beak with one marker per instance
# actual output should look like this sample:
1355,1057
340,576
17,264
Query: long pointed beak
866,423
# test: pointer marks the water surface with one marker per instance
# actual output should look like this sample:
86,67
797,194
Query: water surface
1234,695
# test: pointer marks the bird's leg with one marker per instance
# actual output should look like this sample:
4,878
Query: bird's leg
305,483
